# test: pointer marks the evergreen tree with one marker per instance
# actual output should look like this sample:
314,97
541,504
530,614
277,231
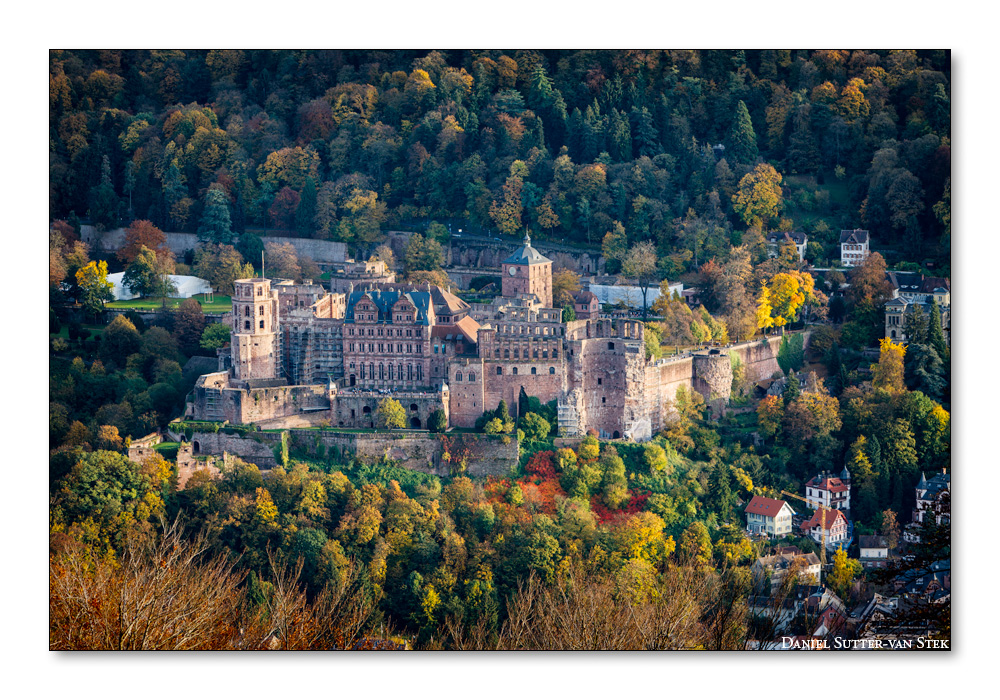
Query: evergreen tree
742,139
936,333
792,389
306,211
216,226
104,203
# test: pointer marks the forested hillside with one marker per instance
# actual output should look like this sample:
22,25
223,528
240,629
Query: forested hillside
343,144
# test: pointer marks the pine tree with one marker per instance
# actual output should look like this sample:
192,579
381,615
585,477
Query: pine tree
216,226
936,333
742,139
306,211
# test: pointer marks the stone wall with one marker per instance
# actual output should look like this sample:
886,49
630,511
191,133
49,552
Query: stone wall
323,252
485,455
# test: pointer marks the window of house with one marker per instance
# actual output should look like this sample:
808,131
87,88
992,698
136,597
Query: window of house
552,370
499,370
514,371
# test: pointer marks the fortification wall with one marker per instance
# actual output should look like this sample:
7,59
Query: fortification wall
324,252
484,455
254,405
662,380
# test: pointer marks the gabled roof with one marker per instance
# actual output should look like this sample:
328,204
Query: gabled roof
872,542
855,236
526,255
585,297
828,483
796,237
828,517
385,299
759,505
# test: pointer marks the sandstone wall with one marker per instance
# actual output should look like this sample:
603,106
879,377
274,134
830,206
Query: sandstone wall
320,251
485,455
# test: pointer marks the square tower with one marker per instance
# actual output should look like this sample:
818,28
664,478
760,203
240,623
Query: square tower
254,337
528,272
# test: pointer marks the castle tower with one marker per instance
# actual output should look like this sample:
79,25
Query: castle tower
528,272
254,338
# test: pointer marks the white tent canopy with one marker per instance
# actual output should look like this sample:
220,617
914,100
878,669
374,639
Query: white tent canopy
187,286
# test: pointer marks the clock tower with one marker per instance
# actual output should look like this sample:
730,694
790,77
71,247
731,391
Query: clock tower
528,272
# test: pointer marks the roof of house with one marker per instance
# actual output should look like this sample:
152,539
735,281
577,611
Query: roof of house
585,297
526,255
828,517
779,562
759,505
872,542
385,299
447,300
856,236
797,237
828,483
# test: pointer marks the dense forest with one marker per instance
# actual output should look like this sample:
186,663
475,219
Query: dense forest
675,163
342,144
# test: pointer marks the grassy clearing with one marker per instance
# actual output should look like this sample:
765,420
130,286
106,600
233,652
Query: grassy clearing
220,304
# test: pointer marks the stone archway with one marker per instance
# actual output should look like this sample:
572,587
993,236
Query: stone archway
196,447
414,422
615,435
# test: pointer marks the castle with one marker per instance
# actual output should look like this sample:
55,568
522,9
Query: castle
302,355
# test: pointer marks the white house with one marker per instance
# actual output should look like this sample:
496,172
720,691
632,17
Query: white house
874,551
854,247
829,491
774,568
776,239
832,522
934,496
767,516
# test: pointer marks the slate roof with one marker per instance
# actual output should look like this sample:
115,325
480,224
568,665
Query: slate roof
856,236
585,297
797,237
872,542
526,255
384,301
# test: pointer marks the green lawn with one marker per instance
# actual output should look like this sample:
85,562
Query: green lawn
220,304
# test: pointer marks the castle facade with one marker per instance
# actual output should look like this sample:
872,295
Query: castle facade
301,355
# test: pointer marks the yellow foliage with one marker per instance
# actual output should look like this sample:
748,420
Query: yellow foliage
888,372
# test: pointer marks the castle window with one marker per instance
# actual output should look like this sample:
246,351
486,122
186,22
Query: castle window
514,371
534,353
598,381
506,354
246,325
472,377
533,371
390,373
260,291
611,346
409,373
499,370
262,323
458,376
381,371
545,354
517,353
603,400
246,310
552,370
261,310
555,353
